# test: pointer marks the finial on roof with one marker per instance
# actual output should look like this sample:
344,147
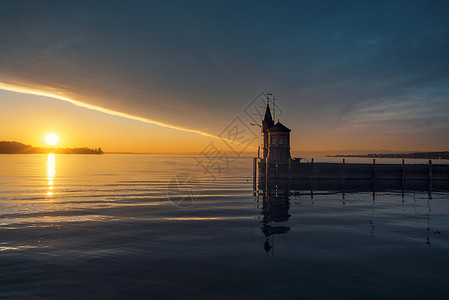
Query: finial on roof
268,97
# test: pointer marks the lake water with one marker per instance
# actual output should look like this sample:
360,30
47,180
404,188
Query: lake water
139,226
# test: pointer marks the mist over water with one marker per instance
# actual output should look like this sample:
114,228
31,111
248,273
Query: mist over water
127,226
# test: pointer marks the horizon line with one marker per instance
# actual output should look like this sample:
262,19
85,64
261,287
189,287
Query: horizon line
249,153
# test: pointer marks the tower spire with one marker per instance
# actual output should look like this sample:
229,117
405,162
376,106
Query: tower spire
268,118
267,123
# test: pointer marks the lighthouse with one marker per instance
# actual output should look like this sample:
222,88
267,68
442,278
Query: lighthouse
279,144
276,139
276,161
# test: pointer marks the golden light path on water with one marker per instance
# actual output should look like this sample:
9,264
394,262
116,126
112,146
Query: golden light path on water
51,172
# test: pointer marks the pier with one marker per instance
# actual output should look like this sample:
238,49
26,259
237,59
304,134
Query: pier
294,169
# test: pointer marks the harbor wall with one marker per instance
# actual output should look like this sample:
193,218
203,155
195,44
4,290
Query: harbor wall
351,171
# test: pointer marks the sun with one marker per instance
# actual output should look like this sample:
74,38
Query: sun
51,138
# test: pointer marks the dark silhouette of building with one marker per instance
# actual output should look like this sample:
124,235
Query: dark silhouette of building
279,143
276,139
276,159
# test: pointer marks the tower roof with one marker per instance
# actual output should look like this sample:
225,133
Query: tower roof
279,127
268,117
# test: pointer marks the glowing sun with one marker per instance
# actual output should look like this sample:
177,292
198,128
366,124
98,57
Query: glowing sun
51,138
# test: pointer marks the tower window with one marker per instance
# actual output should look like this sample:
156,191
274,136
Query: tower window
281,140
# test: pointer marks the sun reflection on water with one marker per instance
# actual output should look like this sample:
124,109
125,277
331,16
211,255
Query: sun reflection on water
51,171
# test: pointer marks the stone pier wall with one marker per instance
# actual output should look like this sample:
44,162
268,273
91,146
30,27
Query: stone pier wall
352,171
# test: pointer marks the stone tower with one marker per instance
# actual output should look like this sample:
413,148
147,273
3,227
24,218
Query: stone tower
279,144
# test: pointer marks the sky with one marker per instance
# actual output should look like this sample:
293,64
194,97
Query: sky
175,76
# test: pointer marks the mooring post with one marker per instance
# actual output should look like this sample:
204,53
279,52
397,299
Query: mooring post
373,173
403,178
343,169
403,169
266,174
254,173
430,169
311,169
289,168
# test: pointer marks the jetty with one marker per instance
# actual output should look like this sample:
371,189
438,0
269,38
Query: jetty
274,162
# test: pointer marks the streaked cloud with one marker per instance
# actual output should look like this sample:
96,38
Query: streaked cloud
61,96
191,65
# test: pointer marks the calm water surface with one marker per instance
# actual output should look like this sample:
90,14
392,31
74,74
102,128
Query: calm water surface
135,226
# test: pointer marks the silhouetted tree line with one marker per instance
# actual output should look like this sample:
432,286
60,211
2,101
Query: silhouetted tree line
7,147
416,155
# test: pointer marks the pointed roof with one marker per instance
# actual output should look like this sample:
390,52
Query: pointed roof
279,127
268,117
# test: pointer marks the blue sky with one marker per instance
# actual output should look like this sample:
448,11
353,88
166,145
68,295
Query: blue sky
341,70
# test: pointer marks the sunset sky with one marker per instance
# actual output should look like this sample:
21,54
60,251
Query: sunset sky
174,76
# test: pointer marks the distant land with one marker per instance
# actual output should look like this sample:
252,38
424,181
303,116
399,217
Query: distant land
414,155
7,147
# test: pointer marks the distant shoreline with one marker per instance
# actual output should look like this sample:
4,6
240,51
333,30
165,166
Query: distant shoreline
12,147
415,155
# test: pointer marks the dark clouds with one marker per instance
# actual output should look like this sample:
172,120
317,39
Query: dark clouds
332,64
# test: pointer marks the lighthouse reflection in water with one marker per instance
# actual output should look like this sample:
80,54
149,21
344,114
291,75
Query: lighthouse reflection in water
275,206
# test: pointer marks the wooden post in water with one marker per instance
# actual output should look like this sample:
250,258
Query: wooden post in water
373,173
403,169
429,165
254,173
289,168
403,178
311,169
266,174
343,169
